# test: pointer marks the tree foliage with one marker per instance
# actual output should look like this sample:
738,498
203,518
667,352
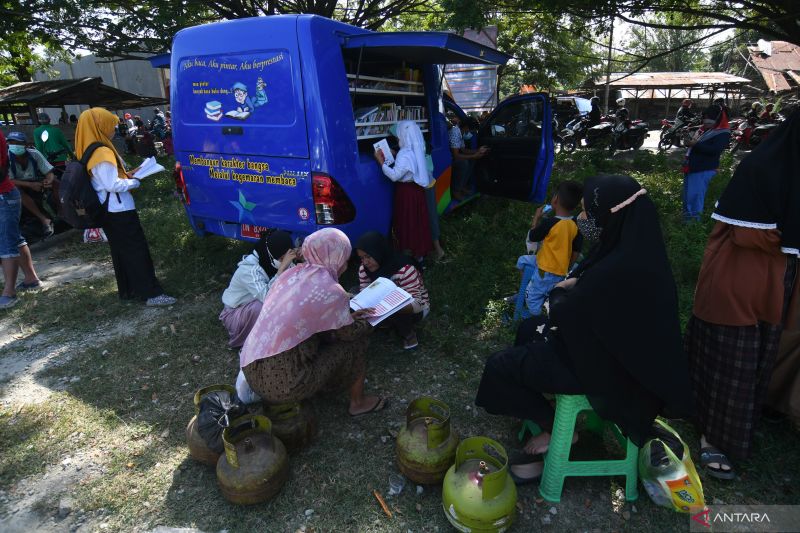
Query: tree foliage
775,19
666,47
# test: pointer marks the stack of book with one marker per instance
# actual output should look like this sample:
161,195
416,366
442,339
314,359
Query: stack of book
377,119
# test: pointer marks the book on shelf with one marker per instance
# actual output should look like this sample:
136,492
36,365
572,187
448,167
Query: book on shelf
383,297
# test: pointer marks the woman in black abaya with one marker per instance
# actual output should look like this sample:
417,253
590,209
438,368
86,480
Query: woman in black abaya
613,334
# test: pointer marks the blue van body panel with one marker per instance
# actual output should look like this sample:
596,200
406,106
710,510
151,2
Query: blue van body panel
260,105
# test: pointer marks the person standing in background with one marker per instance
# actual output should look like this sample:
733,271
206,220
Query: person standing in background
14,252
130,254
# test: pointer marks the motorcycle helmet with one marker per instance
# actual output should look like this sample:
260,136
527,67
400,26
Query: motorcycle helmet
756,106
595,100
621,102
686,103
44,118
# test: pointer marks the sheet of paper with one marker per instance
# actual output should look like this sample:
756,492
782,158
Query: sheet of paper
383,146
148,167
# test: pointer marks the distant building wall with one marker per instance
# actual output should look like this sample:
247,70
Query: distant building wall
129,75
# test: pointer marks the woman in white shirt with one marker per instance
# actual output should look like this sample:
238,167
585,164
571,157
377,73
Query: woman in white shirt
133,266
254,277
410,222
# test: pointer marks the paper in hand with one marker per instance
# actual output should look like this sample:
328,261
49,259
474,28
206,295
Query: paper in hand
148,167
383,146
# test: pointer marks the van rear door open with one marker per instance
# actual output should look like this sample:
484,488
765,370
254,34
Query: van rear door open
241,129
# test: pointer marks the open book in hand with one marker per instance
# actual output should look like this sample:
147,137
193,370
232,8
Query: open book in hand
148,167
384,297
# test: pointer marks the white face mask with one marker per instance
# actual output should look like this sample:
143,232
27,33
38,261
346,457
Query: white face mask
16,149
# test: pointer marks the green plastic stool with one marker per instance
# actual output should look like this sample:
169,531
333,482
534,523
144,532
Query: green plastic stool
557,464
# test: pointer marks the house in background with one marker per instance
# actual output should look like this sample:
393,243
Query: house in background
133,76
778,62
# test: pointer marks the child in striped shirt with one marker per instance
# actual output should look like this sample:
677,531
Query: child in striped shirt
379,260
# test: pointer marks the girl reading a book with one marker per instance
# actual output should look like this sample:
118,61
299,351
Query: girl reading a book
378,260
306,339
410,222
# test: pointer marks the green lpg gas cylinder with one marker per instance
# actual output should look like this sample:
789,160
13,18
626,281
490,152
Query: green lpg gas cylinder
426,444
198,449
293,423
255,465
478,493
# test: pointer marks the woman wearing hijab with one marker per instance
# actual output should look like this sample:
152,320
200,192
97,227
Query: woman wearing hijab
130,254
742,297
255,275
306,339
614,333
378,260
702,160
410,222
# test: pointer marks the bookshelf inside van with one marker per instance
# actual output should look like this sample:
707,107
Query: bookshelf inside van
383,94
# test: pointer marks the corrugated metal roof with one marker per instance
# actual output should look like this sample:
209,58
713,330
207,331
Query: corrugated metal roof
82,91
778,62
653,80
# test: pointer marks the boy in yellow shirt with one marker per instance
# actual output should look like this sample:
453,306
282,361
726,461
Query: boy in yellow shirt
560,243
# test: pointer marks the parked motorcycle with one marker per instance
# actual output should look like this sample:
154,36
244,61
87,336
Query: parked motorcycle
597,136
631,138
672,133
573,134
750,134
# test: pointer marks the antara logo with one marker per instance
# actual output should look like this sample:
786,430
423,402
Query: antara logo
707,518
702,518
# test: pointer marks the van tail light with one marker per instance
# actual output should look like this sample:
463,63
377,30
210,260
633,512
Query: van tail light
331,203
180,184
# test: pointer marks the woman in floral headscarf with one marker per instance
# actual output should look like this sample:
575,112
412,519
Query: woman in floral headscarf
306,339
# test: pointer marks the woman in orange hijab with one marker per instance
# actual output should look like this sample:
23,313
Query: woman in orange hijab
133,266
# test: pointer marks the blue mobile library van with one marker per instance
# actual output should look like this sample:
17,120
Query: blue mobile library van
274,120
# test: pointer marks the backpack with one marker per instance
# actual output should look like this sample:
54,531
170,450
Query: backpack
82,207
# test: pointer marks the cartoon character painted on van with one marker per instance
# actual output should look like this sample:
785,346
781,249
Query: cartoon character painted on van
222,78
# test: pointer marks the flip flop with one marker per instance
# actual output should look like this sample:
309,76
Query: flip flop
379,405
709,455
519,480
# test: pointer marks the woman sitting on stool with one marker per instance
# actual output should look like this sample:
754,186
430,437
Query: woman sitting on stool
614,332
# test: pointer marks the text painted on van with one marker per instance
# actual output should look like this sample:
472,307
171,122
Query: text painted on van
236,169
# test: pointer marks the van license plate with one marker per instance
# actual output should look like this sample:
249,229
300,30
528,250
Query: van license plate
251,231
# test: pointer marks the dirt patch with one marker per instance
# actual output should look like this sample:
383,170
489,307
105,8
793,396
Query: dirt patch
42,503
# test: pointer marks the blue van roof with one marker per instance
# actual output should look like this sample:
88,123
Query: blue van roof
427,47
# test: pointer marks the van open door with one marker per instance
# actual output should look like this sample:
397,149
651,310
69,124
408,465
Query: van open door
520,137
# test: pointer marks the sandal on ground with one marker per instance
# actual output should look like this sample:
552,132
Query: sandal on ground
161,300
379,405
410,342
709,455
519,480
7,302
48,229
28,286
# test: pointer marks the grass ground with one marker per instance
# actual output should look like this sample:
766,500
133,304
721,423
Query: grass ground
127,412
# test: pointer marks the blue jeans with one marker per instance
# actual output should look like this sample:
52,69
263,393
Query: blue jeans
10,237
539,286
695,185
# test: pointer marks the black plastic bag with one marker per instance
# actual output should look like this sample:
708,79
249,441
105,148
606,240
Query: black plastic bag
218,410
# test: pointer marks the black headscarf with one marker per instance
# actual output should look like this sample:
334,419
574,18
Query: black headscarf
764,191
389,262
620,323
276,244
